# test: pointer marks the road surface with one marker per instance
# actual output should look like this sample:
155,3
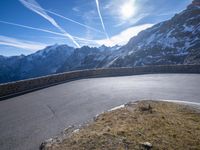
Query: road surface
27,120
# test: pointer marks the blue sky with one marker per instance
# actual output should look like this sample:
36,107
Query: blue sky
29,25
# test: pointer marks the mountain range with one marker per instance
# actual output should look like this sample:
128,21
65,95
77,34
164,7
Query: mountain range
175,41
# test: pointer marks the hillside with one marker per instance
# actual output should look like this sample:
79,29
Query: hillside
143,125
175,41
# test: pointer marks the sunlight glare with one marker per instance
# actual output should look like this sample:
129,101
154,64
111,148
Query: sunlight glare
127,10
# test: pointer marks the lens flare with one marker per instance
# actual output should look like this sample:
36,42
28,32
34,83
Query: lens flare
128,10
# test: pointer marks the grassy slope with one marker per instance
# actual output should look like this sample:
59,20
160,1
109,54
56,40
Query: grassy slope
166,126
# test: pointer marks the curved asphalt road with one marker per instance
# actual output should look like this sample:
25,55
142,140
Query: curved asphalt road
27,120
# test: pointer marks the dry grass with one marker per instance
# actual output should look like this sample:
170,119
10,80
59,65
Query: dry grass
165,125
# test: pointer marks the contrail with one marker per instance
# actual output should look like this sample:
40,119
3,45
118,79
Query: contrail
46,31
66,18
75,37
102,23
8,41
32,28
42,13
82,41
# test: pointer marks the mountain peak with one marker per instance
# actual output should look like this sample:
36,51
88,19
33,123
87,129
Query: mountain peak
195,3
175,41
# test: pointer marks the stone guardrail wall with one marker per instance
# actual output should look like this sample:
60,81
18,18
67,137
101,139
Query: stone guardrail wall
20,87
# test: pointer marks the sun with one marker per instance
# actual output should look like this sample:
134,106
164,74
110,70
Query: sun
127,10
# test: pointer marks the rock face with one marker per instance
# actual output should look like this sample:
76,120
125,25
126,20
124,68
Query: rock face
196,2
86,58
176,41
41,63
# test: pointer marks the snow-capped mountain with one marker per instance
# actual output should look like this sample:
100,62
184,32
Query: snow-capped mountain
46,61
89,57
176,41
52,59
84,58
41,63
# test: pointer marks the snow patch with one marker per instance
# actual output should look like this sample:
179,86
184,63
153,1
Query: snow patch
150,39
182,102
118,107
188,28
77,130
130,53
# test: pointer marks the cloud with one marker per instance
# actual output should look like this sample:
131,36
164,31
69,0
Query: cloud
29,45
123,37
76,9
82,40
132,21
66,18
120,39
100,16
32,28
41,12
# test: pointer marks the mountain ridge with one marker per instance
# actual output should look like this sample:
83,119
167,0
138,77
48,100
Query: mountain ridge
175,41
173,36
